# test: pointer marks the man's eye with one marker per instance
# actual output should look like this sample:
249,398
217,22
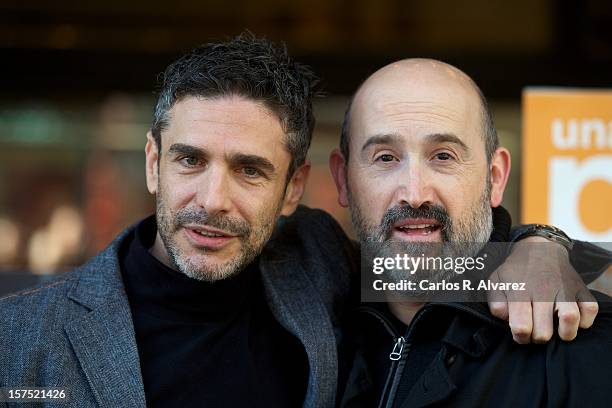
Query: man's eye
385,158
443,156
251,172
190,161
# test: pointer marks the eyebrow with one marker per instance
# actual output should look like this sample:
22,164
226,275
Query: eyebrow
181,148
236,159
447,138
380,139
433,138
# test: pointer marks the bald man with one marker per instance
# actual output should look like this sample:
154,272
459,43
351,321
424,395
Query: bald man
420,163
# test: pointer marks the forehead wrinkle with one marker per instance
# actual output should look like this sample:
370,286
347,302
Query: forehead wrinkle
417,111
422,116
427,104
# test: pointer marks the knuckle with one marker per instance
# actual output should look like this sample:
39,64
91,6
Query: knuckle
569,317
590,307
499,310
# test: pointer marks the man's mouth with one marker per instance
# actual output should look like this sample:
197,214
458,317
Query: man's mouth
208,237
417,230
208,234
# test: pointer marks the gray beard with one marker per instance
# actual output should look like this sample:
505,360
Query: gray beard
252,241
465,238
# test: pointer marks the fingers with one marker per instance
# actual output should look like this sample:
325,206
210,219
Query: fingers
542,322
569,319
498,302
588,312
534,322
588,307
521,321
499,309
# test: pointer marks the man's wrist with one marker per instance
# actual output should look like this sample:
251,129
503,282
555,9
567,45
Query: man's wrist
548,232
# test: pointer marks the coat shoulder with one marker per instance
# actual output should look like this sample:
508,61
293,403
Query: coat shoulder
31,327
31,301
34,346
313,239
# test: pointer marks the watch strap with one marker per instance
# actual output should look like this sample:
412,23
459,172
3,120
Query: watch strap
549,232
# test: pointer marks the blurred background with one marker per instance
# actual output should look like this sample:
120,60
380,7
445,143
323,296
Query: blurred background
78,80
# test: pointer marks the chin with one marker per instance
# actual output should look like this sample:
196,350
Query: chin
209,274
201,268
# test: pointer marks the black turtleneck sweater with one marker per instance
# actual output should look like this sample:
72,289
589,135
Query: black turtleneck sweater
208,344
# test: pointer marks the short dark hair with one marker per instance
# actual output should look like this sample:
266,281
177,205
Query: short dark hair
251,67
490,133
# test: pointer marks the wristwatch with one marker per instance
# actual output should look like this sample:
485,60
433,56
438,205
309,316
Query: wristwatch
549,232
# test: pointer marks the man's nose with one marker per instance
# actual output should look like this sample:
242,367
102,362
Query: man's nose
414,188
214,191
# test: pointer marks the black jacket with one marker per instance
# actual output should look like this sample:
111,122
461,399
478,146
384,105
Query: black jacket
479,365
459,355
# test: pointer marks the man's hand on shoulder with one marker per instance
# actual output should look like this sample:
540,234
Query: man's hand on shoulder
554,290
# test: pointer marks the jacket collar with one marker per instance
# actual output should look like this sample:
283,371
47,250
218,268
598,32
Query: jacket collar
474,310
100,278
474,331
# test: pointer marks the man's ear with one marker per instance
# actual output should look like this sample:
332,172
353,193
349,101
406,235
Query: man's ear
337,165
295,188
500,170
151,166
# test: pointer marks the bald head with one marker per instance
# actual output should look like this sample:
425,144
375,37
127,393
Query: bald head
432,88
424,163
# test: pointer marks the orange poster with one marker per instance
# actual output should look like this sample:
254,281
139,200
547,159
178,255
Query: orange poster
567,161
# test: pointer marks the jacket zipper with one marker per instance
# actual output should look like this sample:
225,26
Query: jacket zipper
400,349
401,346
396,353
399,357
388,397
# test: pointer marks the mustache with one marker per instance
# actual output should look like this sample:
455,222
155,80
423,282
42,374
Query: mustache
402,212
203,218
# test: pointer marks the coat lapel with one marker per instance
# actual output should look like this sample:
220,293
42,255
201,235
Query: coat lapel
433,387
297,306
103,338
104,343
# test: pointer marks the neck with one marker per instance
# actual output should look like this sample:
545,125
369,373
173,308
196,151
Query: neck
404,311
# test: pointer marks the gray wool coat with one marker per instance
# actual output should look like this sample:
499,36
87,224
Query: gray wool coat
76,331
